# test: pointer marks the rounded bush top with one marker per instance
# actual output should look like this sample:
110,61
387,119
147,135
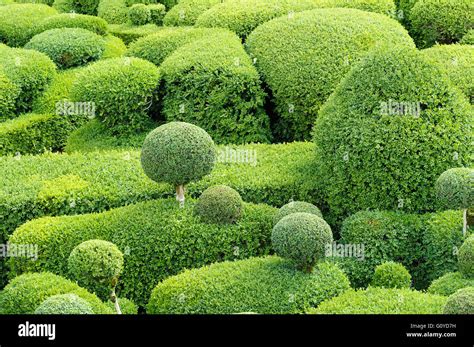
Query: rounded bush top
454,189
186,12
450,283
177,153
64,304
219,204
8,94
139,14
461,302
303,238
391,275
466,258
296,206
72,20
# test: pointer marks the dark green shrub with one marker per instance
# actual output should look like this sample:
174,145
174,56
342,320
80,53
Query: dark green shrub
466,258
267,285
157,13
303,238
383,301
391,275
219,204
442,21
139,14
8,94
88,7
169,3
64,304
461,302
468,39
113,11
68,47
186,12
454,189
123,90
384,125
296,206
405,7
450,283
328,42
25,293
71,20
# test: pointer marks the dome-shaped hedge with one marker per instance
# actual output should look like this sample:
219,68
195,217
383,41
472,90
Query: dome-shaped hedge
296,206
139,14
64,304
71,20
303,238
461,302
302,58
468,39
466,258
450,283
391,275
382,136
186,12
123,90
8,94
219,204
68,47
113,11
454,189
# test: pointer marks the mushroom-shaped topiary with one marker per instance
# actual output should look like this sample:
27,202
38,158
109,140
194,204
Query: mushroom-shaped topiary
64,304
178,153
466,258
391,275
454,191
301,237
97,265
219,204
296,206
461,302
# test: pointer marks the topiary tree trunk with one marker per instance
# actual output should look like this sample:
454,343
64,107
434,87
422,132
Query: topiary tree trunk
180,195
113,297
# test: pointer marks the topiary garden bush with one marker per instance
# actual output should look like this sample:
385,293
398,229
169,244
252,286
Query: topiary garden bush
219,204
391,275
461,302
64,304
71,20
294,207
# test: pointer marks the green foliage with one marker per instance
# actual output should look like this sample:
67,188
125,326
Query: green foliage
46,2
461,302
186,12
450,283
219,204
405,7
64,304
454,188
126,306
139,14
86,6
383,301
466,258
8,94
468,39
114,47
328,42
145,2
441,21
71,20
267,285
391,275
113,11
157,13
296,206
129,33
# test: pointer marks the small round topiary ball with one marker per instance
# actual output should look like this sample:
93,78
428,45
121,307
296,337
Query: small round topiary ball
219,204
178,153
301,237
95,262
296,206
391,275
64,304
461,302
454,189
466,258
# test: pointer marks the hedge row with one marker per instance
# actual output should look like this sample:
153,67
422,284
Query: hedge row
71,20
129,33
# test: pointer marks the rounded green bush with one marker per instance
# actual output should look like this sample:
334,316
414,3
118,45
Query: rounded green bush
468,39
114,47
86,6
466,258
96,265
177,153
157,13
71,20
269,285
383,301
391,275
296,206
454,189
68,47
380,137
186,12
8,94
303,238
450,283
442,21
327,43
461,302
113,11
64,304
219,204
123,90
139,14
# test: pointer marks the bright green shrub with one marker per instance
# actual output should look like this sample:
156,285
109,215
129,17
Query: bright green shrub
382,301
328,42
17,20
129,33
381,139
64,304
391,275
219,204
454,188
212,83
466,258
468,39
68,47
296,206
450,283
8,94
71,20
461,302
139,14
123,90
46,2
186,12
64,6
267,285
88,7
126,306
113,11
405,7
25,293
157,13
114,47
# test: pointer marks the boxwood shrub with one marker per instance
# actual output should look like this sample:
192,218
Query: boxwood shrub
129,33
212,83
328,42
158,239
186,12
391,275
113,11
71,20
9,92
114,47
268,285
468,39
64,304
450,283
461,302
139,14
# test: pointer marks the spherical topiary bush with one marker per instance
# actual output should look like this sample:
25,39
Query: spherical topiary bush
157,13
178,153
450,283
381,137
219,204
391,275
186,12
303,57
461,302
303,238
468,39
139,14
64,304
8,94
296,206
442,21
466,258
71,20
68,47
123,90
113,11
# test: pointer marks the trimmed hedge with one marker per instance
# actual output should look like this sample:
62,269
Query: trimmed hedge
454,188
294,207
450,283
212,83
64,304
267,285
186,12
113,11
219,204
9,92
391,275
140,14
468,39
71,20
328,42
114,47
461,302
383,301
129,33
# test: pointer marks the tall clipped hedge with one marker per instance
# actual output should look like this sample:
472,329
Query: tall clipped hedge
303,57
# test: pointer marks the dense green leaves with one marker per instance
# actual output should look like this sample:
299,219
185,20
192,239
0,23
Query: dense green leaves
454,189
64,304
219,204
450,283
391,275
461,302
